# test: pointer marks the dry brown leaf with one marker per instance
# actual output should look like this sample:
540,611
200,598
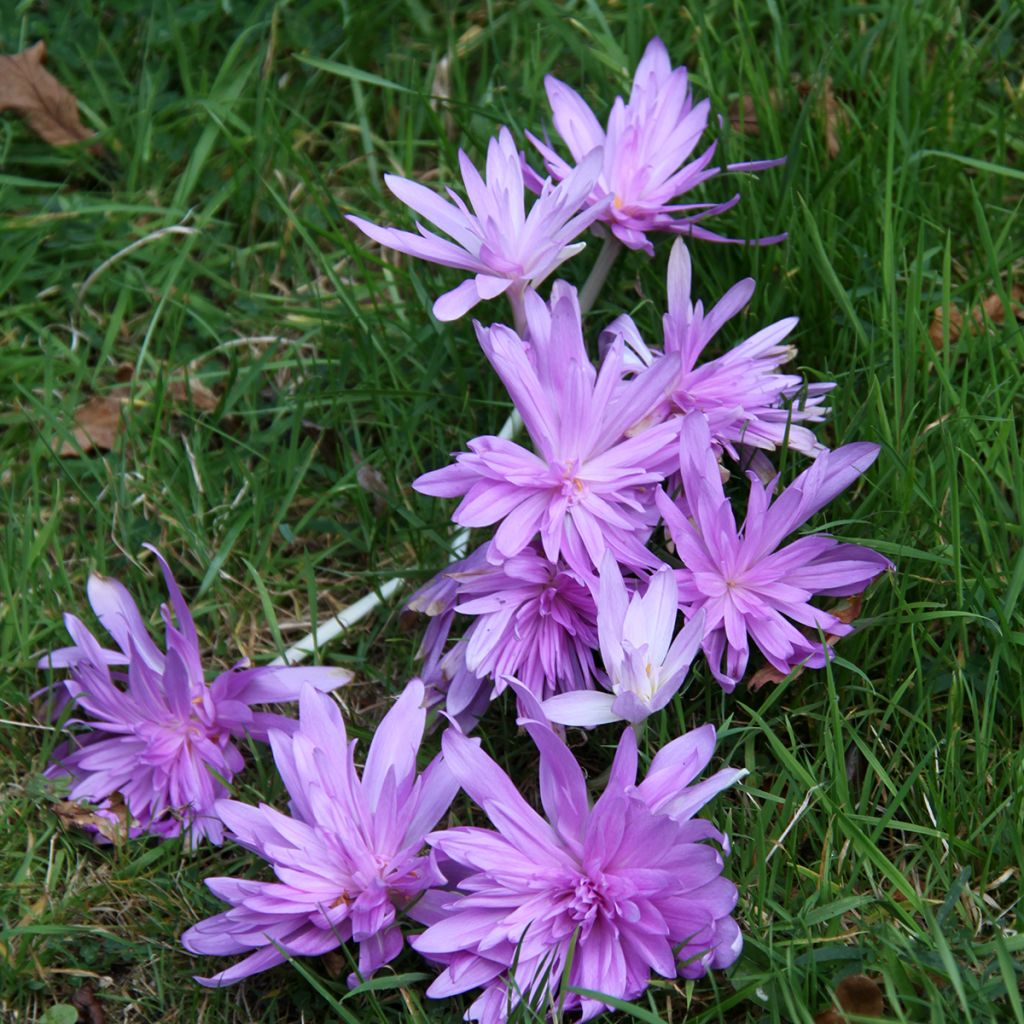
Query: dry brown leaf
856,994
115,828
335,964
98,424
195,391
743,116
992,308
937,328
47,107
99,420
769,674
834,116
743,113
89,1010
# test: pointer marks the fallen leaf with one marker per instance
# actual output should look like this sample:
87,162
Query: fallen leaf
370,480
193,391
335,964
99,420
47,107
112,823
743,116
769,674
89,1010
856,994
993,308
743,113
834,116
97,424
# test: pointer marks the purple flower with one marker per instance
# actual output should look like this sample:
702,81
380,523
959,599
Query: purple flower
534,619
645,152
350,856
746,401
588,486
629,881
643,666
160,735
745,583
505,248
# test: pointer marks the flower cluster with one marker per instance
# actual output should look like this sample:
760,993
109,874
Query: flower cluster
613,559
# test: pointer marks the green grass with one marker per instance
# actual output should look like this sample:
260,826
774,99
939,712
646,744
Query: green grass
880,828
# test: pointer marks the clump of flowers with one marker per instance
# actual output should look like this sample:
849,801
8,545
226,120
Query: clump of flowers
614,557
347,859
151,728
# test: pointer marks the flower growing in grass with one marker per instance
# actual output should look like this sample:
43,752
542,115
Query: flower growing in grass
743,581
647,150
534,619
588,486
159,735
643,666
741,393
347,860
623,888
505,248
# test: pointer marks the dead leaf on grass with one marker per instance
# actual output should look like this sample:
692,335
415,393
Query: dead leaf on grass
335,964
193,391
98,424
112,823
833,115
89,1010
46,106
99,421
743,113
856,994
993,308
370,480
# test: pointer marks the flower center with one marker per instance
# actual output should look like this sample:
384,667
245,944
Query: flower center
572,486
588,899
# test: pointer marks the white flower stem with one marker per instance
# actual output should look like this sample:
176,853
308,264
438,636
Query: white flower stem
599,273
516,301
357,611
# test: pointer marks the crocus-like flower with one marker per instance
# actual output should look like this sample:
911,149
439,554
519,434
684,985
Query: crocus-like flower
161,736
745,583
628,884
534,619
588,486
350,856
645,152
742,394
504,247
643,666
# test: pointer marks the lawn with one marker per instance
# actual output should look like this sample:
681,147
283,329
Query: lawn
282,382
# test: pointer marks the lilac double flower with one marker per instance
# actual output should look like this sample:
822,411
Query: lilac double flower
147,724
